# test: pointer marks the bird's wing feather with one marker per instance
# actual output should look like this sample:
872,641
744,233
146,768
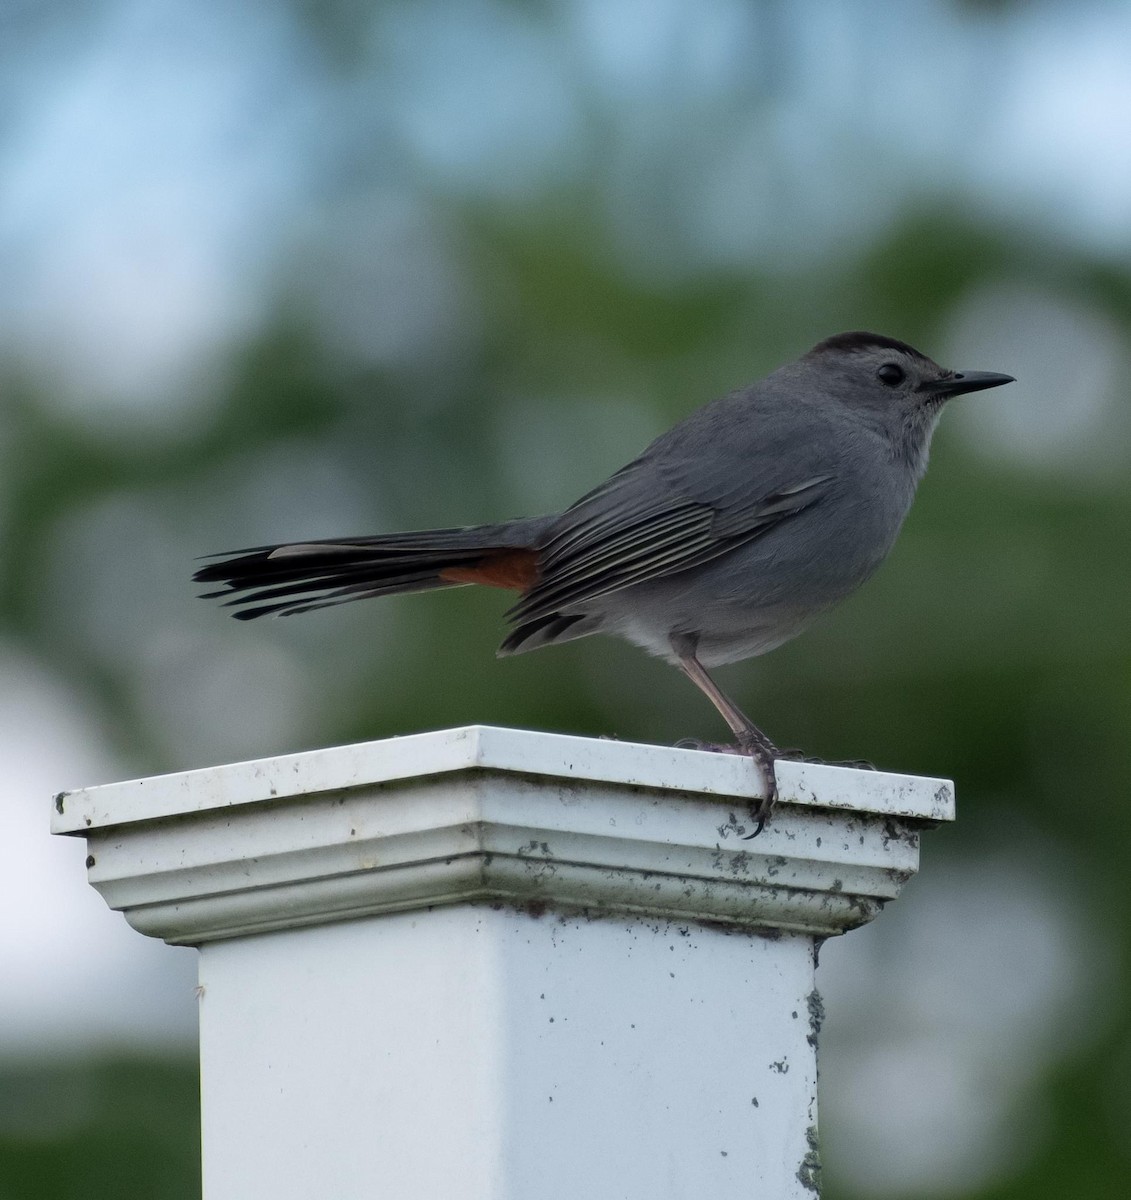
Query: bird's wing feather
638,527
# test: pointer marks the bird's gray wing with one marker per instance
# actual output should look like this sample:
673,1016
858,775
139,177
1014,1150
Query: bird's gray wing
645,523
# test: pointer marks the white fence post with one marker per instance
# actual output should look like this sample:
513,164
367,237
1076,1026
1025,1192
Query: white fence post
489,964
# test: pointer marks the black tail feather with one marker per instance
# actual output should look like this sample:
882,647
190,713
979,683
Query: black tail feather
303,576
540,632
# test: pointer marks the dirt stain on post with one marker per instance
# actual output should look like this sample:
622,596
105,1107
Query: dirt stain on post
809,1172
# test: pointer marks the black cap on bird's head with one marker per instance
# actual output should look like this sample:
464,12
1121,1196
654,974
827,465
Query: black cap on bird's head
860,339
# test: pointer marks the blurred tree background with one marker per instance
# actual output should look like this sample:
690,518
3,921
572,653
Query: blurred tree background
281,270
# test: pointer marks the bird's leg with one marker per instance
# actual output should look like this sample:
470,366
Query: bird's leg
751,740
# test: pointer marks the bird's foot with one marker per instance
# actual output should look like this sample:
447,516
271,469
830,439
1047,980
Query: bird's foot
757,747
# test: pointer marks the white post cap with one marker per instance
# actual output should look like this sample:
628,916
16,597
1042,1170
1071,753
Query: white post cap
505,816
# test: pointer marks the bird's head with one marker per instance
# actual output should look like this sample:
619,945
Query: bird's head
892,386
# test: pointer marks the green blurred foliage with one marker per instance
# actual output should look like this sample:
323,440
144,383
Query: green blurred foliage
102,1129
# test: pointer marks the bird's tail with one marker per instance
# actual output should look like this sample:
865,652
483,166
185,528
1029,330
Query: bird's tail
308,575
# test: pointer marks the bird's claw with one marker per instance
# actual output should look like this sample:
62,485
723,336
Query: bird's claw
762,752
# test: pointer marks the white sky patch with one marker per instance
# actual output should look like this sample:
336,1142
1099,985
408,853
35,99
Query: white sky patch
1059,145
944,1015
74,975
645,53
1065,412
142,198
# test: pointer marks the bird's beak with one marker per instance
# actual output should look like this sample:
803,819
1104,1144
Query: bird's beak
964,381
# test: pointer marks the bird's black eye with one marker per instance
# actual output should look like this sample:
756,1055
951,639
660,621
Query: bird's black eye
891,375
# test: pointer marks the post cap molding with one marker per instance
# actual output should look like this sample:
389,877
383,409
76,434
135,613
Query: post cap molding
499,816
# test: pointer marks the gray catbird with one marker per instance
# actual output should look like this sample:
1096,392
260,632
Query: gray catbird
725,538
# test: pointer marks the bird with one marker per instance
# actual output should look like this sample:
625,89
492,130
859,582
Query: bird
725,538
